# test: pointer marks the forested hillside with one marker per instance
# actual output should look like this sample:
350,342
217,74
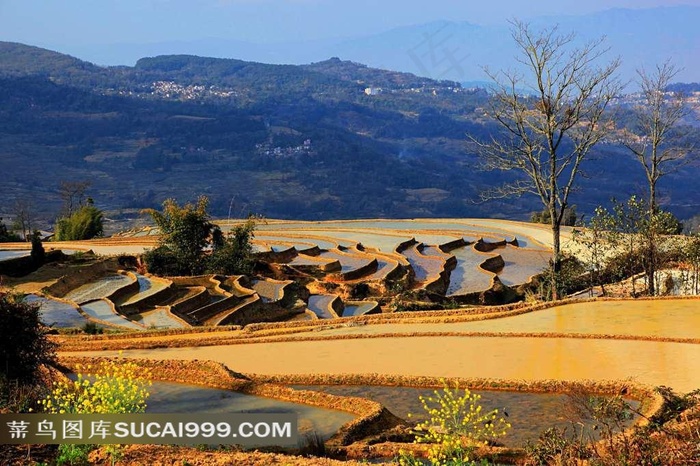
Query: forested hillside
333,139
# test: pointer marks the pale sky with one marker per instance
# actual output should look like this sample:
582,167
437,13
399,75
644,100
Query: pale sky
56,23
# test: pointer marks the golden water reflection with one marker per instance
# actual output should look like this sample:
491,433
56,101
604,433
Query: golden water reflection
655,363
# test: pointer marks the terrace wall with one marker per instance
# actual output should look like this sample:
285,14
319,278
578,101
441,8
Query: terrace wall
257,312
87,274
188,305
21,266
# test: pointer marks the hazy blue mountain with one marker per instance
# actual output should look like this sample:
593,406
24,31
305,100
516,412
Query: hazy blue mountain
454,50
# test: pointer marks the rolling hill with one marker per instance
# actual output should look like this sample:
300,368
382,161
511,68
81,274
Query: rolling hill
332,139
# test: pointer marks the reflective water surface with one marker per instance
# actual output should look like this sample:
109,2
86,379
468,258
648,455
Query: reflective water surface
169,397
528,413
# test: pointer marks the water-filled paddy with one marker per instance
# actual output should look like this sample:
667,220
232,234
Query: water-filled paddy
528,413
98,289
158,318
676,365
348,262
168,397
102,310
467,276
321,306
424,267
384,242
298,243
56,313
147,287
358,308
13,254
521,264
269,290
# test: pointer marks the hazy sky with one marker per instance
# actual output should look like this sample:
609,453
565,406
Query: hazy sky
52,23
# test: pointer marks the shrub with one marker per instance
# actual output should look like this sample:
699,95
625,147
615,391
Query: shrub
25,346
38,254
545,217
7,236
162,261
85,223
91,328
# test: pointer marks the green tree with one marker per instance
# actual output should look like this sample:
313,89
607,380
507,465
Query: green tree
637,232
185,233
25,346
84,223
233,254
546,136
598,240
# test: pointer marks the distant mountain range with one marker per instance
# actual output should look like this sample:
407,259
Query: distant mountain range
332,139
453,50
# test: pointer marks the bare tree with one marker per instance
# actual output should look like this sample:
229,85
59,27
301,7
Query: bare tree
72,194
545,136
659,111
653,141
23,211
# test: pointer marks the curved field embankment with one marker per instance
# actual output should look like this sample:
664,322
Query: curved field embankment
676,365
355,437
372,417
420,349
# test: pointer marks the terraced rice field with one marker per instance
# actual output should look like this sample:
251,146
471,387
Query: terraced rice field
384,242
356,308
648,342
102,310
98,289
416,348
147,287
13,254
529,235
467,277
529,414
56,313
158,318
521,264
269,290
321,306
168,397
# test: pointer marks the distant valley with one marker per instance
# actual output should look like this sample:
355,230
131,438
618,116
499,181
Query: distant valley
333,139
